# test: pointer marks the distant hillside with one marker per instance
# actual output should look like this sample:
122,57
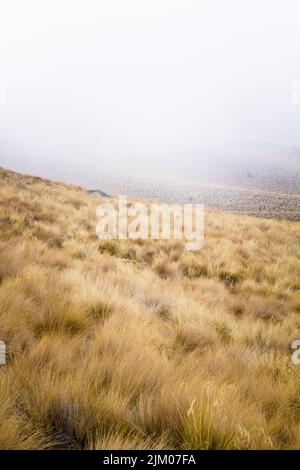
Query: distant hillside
245,177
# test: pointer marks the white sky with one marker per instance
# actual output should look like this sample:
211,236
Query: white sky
123,80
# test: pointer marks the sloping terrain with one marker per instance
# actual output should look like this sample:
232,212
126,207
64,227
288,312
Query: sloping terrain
127,345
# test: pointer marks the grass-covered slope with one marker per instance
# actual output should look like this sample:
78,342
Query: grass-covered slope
142,344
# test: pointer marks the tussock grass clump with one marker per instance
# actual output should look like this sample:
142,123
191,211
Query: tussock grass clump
207,428
141,344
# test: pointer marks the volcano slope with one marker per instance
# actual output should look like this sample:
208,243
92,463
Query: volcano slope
141,344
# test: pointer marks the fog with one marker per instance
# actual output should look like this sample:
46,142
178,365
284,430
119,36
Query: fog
163,86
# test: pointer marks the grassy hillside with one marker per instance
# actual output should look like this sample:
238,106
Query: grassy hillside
127,345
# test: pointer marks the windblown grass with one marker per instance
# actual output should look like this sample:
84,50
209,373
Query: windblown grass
141,344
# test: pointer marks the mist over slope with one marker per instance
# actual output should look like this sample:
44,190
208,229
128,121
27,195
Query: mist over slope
251,178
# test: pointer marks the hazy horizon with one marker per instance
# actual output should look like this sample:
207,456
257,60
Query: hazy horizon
187,89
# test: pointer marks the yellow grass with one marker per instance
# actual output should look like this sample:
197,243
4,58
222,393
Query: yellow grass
129,345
